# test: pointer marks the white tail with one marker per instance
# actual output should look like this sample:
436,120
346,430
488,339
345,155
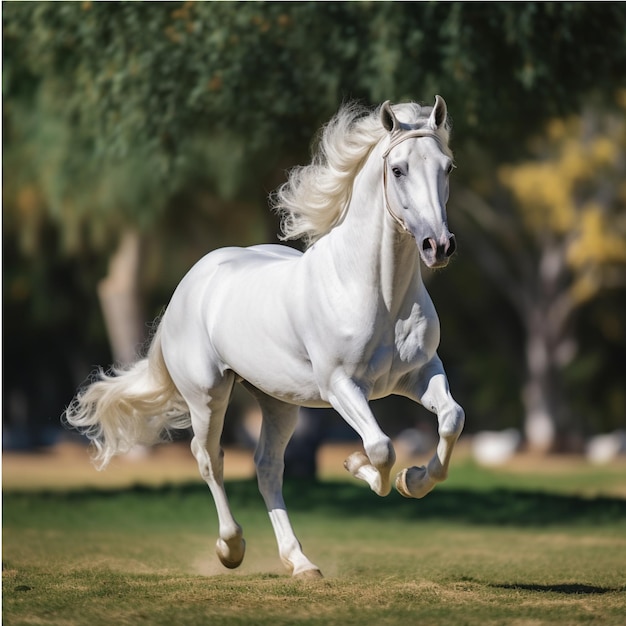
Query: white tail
135,406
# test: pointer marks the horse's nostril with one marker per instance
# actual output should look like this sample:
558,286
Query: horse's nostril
428,244
451,247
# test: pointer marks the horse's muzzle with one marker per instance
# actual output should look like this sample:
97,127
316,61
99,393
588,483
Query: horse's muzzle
437,254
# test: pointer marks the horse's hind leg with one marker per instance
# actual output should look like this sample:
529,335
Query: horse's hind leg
279,422
207,418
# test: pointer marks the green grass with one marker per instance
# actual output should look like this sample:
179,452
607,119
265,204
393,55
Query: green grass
561,476
483,549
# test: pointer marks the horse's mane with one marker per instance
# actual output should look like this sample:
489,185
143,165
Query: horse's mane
315,197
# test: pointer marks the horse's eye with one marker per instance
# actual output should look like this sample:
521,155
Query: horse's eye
450,168
397,172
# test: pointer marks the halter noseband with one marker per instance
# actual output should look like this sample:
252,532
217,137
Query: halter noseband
397,138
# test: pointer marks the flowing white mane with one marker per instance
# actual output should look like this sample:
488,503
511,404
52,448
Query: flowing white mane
315,197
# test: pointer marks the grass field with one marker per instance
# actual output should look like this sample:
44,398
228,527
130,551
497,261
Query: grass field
522,545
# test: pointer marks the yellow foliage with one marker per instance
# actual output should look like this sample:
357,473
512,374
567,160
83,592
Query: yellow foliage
584,288
543,195
556,129
597,241
604,151
575,188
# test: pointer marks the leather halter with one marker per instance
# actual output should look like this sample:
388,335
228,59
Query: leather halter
397,138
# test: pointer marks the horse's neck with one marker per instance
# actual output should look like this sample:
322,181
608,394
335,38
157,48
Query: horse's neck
369,245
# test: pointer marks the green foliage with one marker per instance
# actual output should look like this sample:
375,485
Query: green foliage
172,115
110,98
131,74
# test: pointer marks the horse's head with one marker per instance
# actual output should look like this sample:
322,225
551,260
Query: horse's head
417,164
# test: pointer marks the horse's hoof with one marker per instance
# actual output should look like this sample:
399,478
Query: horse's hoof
229,557
355,462
401,485
420,484
309,574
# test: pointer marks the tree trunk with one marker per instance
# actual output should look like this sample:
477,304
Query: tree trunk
550,346
539,405
120,300
548,424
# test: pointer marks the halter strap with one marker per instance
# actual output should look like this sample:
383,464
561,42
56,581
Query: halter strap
397,138
402,135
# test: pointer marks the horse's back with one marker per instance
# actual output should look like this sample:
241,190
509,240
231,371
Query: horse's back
231,262
229,279
275,250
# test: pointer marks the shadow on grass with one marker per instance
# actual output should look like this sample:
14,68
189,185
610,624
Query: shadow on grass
573,589
500,506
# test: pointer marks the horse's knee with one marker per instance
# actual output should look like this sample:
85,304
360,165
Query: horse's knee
451,422
381,453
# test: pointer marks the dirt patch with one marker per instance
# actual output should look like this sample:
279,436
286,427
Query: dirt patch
68,466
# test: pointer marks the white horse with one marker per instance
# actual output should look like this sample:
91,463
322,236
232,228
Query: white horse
344,322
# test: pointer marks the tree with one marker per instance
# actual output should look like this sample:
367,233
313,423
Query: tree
114,112
106,178
554,245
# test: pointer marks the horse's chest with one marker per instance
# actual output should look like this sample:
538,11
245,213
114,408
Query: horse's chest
416,338
408,343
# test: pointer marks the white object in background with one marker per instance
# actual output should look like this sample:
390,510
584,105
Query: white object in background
495,447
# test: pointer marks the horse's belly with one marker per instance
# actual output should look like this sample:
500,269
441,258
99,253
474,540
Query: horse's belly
282,378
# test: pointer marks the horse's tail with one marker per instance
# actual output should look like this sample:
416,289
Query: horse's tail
139,405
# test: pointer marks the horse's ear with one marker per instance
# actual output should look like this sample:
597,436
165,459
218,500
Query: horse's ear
439,114
388,118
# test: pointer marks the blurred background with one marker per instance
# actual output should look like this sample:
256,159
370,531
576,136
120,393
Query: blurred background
138,136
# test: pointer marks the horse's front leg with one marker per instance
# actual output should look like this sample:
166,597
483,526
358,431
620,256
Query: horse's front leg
374,467
430,387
